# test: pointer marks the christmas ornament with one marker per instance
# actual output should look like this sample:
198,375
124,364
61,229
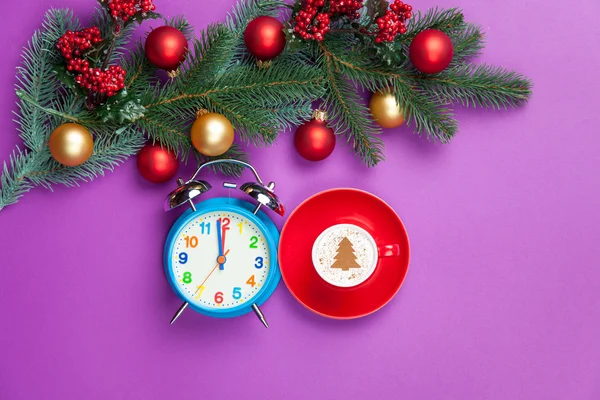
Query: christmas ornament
156,163
71,144
212,134
243,237
314,140
264,38
358,261
385,111
431,51
166,48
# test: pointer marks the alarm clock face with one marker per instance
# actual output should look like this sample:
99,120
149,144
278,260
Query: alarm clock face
214,281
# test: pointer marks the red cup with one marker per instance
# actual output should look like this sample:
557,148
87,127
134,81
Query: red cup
343,206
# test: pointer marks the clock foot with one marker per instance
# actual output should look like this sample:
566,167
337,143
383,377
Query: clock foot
260,315
179,312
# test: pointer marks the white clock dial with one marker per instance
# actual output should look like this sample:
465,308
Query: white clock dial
196,266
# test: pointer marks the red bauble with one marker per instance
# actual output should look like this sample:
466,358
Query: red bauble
314,140
431,51
157,164
264,38
166,48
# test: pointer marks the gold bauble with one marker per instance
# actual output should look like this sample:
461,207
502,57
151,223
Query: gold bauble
386,112
212,134
71,144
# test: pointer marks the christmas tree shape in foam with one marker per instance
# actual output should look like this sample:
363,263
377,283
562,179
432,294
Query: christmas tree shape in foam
345,258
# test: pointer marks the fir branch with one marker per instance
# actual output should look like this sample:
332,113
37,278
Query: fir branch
211,54
478,86
12,183
181,23
428,115
446,20
113,47
169,132
247,10
84,118
139,71
348,116
36,77
109,152
467,42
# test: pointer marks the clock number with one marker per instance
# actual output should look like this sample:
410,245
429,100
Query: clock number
191,241
187,277
253,242
183,258
199,292
237,293
225,223
241,225
251,281
259,262
219,297
206,225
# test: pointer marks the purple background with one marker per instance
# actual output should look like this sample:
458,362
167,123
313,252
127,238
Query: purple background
502,300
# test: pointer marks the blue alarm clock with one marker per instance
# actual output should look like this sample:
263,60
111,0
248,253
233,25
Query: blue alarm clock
220,256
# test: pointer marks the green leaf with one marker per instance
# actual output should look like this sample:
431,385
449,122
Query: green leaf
67,79
122,108
141,17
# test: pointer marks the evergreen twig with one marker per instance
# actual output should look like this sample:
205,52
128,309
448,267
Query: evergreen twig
220,75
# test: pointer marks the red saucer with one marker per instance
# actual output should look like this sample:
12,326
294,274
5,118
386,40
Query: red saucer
342,206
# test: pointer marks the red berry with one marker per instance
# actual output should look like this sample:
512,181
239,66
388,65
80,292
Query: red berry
75,44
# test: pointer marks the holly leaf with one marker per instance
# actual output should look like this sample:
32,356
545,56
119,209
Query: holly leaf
67,79
141,17
390,54
376,8
121,108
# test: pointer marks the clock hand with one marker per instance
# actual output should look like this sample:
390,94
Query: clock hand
221,257
185,304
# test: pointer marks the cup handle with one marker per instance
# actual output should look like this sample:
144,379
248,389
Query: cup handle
389,250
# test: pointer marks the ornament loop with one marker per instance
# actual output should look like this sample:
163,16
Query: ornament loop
201,112
174,74
320,115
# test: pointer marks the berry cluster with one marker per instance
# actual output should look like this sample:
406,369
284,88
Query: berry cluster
349,8
393,22
73,46
107,82
74,43
312,23
308,24
126,9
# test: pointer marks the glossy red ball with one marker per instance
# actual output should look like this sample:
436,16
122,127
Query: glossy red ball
157,164
314,140
166,48
431,51
264,38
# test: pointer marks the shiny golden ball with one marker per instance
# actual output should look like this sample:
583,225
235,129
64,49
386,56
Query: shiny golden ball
212,134
386,112
71,144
